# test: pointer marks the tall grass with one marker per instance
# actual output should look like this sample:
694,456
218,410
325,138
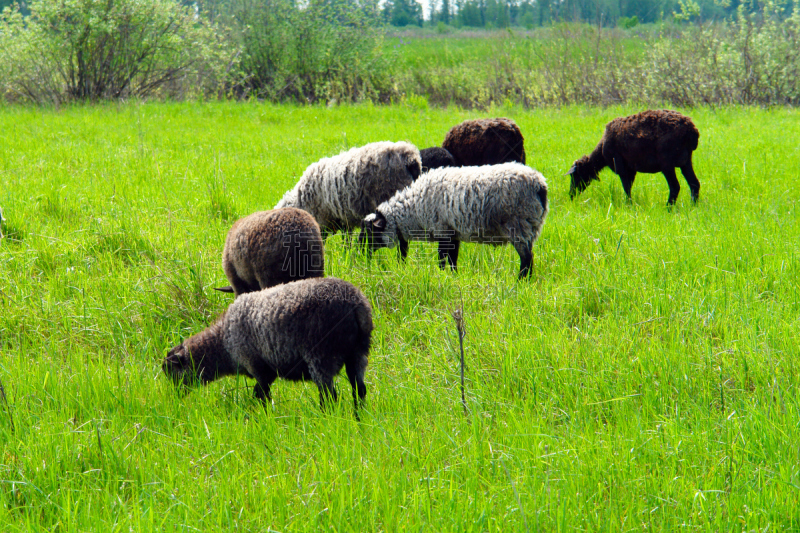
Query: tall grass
645,378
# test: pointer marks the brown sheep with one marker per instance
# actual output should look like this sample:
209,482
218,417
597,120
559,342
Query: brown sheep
489,141
651,141
269,248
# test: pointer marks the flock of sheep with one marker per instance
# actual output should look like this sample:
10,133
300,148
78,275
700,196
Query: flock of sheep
289,321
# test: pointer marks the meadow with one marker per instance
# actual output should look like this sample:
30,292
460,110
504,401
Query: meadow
645,378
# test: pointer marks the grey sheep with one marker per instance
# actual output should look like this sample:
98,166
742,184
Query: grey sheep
303,330
489,141
649,142
436,157
340,191
492,204
268,248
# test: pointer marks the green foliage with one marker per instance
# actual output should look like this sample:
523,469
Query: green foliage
96,49
647,378
754,59
402,12
628,22
325,50
689,9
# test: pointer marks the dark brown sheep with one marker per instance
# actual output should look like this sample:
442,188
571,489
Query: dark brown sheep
303,330
489,141
651,141
268,248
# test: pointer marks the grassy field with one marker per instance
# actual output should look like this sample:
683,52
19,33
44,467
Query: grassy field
646,378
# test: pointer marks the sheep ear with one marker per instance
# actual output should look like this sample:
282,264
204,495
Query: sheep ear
176,356
570,171
379,223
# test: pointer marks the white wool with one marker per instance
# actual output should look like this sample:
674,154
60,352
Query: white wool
340,191
490,204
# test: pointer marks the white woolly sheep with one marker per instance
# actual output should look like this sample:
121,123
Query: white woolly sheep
492,204
268,248
340,191
306,329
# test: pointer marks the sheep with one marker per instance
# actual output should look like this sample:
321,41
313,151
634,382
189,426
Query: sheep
302,330
493,204
651,141
268,248
436,157
339,191
488,141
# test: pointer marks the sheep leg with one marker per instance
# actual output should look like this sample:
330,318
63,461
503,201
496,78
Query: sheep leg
402,248
327,392
348,237
523,248
674,186
691,179
448,253
355,373
264,378
239,285
627,176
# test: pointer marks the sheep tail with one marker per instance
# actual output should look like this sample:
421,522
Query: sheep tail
364,319
542,194
692,139
224,289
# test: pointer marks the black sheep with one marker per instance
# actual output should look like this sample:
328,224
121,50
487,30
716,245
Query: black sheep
651,141
436,157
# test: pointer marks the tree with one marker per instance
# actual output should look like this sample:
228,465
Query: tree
98,49
403,12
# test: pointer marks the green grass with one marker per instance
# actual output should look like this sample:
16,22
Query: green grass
424,50
645,378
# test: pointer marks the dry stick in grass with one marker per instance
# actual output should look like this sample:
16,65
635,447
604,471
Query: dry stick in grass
458,316
7,407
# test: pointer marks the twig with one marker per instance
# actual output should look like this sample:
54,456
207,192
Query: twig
458,316
7,407
99,442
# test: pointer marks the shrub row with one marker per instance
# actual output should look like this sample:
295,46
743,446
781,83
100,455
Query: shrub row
333,50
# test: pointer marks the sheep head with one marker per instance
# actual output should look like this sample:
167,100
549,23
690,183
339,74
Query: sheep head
415,169
582,174
182,369
374,234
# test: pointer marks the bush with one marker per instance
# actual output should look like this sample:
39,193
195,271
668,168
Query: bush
99,49
329,49
628,22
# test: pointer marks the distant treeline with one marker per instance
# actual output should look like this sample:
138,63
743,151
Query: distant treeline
533,13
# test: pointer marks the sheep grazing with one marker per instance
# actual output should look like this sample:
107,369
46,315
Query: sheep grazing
649,142
492,204
436,157
303,330
340,191
272,247
488,141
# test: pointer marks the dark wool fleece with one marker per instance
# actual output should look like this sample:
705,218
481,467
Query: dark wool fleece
488,141
269,248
